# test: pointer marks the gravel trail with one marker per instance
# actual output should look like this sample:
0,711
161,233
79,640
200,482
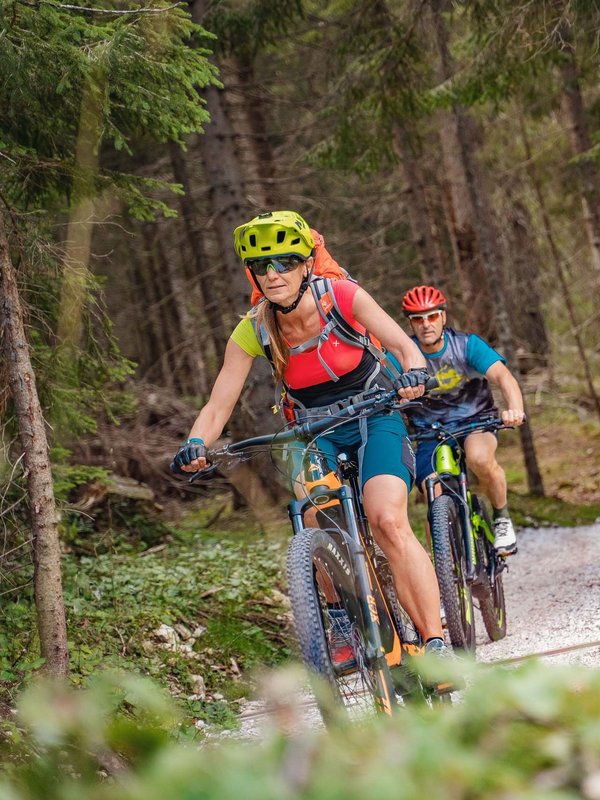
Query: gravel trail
552,592
552,589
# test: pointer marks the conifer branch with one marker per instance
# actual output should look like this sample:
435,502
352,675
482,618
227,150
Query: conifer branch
70,7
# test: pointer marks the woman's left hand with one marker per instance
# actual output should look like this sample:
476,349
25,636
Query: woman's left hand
411,384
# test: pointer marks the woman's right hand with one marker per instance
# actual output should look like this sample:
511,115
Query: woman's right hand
191,456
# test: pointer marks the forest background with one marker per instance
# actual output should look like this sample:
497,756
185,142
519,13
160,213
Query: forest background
447,143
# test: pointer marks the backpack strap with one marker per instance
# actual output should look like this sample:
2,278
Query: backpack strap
335,322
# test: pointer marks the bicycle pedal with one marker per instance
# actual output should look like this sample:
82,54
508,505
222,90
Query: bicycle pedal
444,688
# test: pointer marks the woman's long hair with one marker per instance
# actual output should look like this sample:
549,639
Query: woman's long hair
265,315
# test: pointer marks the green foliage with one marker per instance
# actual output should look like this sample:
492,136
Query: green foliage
224,585
67,476
531,510
379,64
129,73
531,732
244,29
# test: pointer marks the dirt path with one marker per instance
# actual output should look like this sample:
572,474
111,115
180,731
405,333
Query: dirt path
552,596
552,591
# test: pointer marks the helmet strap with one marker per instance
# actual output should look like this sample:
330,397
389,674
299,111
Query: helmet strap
255,281
303,287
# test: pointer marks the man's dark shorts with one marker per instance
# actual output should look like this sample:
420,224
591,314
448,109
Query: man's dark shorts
425,457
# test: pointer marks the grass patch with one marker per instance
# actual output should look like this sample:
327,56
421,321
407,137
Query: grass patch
527,509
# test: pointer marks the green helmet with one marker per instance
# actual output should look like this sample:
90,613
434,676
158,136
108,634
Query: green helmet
276,233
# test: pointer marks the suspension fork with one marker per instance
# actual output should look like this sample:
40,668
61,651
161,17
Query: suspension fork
467,527
464,512
374,648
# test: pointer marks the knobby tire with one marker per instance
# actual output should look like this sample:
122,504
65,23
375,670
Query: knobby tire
368,687
450,567
492,605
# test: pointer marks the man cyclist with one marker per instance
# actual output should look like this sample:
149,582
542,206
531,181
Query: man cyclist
319,369
464,365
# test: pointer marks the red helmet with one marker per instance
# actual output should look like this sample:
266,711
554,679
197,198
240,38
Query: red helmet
422,298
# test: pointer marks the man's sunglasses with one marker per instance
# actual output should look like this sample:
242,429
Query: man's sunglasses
260,266
430,316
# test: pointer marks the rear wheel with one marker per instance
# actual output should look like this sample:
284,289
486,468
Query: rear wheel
451,570
320,583
490,592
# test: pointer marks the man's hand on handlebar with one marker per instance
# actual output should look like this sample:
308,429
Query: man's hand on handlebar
411,384
513,416
191,457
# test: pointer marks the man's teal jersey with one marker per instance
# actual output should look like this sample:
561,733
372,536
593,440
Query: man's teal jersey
460,368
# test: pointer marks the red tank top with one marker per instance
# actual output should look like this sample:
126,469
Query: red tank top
305,369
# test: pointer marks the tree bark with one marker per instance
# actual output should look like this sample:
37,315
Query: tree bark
81,218
589,174
420,217
188,358
47,560
251,132
456,139
489,249
190,214
558,268
157,312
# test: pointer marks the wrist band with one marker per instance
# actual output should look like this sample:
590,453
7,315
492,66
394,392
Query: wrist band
195,440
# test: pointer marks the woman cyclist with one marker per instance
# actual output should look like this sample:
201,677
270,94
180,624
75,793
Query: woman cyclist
318,369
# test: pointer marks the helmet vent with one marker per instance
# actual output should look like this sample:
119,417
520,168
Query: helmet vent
295,241
252,238
280,237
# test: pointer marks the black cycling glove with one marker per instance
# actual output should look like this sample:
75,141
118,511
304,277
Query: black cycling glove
413,377
188,452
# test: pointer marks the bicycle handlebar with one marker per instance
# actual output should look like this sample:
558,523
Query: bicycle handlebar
376,400
437,431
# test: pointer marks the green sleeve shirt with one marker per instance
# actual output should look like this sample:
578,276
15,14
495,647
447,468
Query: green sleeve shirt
245,337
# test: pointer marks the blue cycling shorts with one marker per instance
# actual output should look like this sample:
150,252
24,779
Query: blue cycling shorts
387,449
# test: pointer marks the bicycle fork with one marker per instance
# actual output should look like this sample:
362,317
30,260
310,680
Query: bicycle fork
366,593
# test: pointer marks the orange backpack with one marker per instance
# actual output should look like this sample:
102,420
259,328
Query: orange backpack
325,266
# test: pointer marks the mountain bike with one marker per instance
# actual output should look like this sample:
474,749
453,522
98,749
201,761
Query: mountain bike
339,566
462,538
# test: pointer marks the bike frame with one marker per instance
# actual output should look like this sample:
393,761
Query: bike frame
451,471
379,622
355,533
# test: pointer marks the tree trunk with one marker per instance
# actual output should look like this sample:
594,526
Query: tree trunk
81,219
419,213
190,215
558,268
251,131
489,249
522,281
160,319
589,174
47,561
147,326
190,375
457,131
229,208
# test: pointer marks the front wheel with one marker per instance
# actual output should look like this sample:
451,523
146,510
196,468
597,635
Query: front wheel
451,570
321,584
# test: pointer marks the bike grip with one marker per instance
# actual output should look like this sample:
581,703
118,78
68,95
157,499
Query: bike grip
203,474
175,470
432,383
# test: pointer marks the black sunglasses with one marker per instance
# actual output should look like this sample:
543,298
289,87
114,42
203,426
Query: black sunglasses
260,266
